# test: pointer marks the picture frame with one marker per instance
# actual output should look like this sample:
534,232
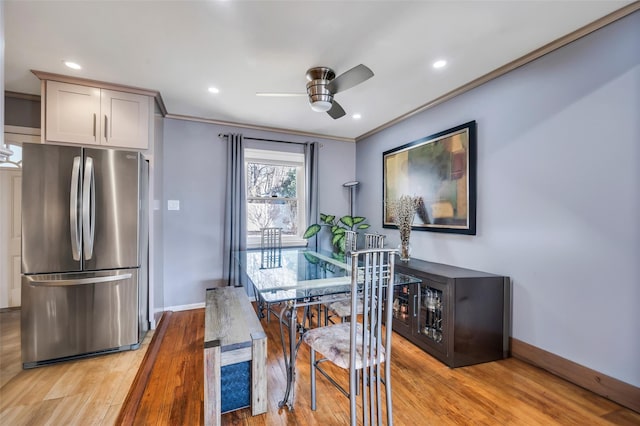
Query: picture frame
440,170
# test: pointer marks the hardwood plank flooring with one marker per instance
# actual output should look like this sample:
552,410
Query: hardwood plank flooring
425,391
89,391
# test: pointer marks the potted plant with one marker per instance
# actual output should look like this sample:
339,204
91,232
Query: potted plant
337,227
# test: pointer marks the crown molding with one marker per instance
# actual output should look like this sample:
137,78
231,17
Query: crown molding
523,60
257,127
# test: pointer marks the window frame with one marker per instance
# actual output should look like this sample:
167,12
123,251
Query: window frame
279,158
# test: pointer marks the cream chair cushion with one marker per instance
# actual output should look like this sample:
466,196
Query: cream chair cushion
333,342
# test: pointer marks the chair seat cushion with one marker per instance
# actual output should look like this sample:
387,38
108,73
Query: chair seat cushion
333,343
342,308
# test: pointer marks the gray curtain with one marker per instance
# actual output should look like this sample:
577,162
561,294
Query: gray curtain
311,153
235,218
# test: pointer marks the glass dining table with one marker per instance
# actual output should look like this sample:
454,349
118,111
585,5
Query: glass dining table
298,278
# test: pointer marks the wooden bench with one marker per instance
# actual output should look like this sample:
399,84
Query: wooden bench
235,355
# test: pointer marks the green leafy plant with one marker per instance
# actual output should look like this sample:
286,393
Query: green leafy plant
337,228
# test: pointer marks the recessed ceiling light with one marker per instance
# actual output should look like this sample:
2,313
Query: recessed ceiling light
214,90
72,65
439,63
356,116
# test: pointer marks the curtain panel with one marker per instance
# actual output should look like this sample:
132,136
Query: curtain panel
311,154
235,218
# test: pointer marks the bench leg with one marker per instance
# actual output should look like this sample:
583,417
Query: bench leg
259,374
212,391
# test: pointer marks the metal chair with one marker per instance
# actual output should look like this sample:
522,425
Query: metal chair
271,257
361,346
350,239
373,241
271,238
342,308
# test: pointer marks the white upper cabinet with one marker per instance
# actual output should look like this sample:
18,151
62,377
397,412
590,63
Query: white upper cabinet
93,116
125,119
72,113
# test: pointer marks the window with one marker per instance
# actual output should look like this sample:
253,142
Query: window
275,195
15,160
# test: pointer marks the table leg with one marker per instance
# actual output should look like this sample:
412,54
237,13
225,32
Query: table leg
259,303
289,312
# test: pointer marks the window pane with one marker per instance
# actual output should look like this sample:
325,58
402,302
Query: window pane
267,180
272,212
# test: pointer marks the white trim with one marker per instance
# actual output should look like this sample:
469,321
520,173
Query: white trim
253,241
279,158
22,130
19,138
177,308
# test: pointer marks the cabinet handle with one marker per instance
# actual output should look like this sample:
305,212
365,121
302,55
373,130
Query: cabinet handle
94,126
415,305
106,127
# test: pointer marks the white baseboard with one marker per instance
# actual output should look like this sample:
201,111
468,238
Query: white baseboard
184,307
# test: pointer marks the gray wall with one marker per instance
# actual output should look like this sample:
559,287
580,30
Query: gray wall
194,173
558,195
21,112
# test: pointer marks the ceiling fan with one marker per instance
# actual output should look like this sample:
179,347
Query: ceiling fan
322,85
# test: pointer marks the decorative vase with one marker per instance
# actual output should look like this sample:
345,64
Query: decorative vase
403,210
405,251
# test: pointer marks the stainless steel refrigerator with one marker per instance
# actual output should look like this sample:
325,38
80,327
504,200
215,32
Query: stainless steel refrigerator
84,252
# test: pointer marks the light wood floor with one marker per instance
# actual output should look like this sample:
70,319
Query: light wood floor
426,392
83,392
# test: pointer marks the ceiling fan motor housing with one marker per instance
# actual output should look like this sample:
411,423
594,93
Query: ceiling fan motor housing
320,97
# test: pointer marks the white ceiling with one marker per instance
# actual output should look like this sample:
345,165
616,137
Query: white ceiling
180,48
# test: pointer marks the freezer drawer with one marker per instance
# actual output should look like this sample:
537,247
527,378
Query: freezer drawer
78,314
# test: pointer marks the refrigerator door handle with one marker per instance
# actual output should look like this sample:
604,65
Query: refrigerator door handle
74,220
89,207
78,281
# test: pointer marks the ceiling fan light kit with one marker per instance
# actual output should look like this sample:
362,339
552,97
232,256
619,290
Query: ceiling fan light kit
321,105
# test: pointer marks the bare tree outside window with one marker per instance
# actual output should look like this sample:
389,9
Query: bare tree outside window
272,197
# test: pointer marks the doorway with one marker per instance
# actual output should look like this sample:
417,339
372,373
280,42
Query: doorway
10,214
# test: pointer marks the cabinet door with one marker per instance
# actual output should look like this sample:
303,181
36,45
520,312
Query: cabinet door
432,327
72,113
402,309
124,120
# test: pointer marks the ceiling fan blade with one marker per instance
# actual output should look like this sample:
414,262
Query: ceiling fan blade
348,79
336,111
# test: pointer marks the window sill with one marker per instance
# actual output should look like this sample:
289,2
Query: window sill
254,243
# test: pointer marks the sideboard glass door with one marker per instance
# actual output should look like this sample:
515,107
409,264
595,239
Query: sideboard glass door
431,314
402,305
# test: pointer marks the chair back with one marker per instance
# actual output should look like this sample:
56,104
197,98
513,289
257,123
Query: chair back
350,238
372,275
271,247
372,241
271,238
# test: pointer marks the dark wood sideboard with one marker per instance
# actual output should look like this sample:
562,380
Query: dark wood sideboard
460,316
